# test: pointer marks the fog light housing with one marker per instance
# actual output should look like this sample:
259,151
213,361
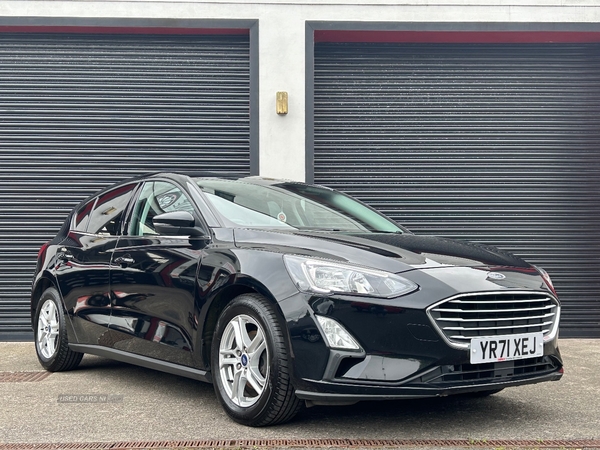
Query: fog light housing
336,335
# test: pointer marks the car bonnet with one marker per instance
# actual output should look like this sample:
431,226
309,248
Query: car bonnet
386,251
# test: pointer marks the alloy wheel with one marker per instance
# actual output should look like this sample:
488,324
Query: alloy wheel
243,360
48,329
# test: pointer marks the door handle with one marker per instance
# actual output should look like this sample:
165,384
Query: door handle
124,261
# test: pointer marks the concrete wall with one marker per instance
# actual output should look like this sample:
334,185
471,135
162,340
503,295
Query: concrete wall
282,40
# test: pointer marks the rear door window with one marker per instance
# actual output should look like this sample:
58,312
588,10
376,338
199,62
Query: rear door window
109,210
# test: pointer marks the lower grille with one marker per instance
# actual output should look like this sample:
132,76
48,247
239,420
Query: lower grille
483,373
461,318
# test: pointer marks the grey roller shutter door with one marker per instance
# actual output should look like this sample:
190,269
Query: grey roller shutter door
79,112
491,143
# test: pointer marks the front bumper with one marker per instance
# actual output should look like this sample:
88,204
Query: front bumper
331,393
402,356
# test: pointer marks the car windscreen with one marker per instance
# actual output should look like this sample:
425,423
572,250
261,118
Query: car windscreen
291,205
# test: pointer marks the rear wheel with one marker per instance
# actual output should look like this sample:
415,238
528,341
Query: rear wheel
51,342
250,364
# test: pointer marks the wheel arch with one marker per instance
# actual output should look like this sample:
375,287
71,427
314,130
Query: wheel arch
44,282
223,298
52,347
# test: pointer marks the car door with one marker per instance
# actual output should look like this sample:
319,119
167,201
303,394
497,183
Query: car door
153,281
83,262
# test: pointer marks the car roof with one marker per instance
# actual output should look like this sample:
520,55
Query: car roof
182,175
252,179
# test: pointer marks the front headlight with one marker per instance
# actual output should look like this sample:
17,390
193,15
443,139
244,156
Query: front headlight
328,277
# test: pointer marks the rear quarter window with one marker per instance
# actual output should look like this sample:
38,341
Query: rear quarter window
81,217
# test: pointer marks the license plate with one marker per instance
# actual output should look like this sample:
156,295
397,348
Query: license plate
506,348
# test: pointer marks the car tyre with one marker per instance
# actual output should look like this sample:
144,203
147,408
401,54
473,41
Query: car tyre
51,342
251,366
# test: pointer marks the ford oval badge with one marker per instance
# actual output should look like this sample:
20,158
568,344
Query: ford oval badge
496,276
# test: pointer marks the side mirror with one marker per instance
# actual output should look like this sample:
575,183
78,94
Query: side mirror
176,223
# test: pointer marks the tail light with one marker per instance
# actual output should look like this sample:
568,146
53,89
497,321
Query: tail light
42,252
42,256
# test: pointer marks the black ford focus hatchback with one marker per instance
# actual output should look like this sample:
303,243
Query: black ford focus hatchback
284,294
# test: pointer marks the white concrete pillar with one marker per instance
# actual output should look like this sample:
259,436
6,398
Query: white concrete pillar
281,68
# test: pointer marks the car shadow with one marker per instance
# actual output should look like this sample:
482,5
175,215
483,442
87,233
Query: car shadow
451,417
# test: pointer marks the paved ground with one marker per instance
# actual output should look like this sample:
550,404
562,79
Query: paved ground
148,405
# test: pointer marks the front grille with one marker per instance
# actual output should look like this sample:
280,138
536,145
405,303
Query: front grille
461,318
490,372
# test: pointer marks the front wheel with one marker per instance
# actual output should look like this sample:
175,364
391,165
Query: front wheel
51,343
250,364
